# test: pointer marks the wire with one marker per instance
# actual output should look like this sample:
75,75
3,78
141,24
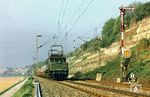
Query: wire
66,34
59,17
78,9
64,12
79,17
48,41
65,27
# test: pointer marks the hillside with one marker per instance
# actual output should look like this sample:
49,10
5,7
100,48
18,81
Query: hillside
84,61
104,55
139,65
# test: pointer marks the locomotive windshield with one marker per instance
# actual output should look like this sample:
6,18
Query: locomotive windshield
58,60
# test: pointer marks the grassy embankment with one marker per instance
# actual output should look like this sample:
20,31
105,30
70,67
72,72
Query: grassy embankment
26,90
139,64
140,59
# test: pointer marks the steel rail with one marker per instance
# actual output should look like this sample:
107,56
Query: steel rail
111,89
84,90
38,90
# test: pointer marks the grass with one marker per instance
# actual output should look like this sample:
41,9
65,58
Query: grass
26,89
111,66
7,83
139,64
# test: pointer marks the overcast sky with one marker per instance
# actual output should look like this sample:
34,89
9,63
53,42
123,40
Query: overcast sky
22,20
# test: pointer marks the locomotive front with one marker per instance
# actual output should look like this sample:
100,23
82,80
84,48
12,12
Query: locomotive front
57,65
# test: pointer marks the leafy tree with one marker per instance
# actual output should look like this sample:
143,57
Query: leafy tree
128,18
141,10
144,43
139,15
108,28
116,28
107,33
146,9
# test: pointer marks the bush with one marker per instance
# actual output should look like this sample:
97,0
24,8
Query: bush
26,89
144,43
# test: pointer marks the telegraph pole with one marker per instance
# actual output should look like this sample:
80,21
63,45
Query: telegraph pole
37,48
124,52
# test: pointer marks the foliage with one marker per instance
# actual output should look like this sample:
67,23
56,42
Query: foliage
144,43
116,28
139,15
77,75
129,16
139,64
107,33
141,10
111,29
26,89
111,33
140,60
111,66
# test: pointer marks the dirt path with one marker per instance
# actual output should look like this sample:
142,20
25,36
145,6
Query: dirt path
13,90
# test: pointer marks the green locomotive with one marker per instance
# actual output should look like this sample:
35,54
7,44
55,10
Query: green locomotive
57,67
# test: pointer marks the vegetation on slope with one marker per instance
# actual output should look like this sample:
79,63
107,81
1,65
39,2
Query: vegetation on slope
139,64
26,89
111,29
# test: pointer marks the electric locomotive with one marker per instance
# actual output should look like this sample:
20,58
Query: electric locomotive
57,67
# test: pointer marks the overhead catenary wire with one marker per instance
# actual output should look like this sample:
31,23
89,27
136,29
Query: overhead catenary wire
98,30
64,12
59,17
79,17
75,13
63,15
60,22
48,41
66,34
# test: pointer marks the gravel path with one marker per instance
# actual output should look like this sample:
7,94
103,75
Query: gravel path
54,89
13,90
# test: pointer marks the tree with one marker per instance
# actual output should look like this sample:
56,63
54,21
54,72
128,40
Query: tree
116,28
107,33
146,9
139,15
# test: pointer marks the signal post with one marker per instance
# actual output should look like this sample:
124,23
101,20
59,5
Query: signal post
125,53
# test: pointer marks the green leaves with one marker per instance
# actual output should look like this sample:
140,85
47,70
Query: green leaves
111,28
142,10
110,32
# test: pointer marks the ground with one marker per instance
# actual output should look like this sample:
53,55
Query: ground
6,82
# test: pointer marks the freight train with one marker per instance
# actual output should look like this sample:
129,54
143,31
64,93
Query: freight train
55,66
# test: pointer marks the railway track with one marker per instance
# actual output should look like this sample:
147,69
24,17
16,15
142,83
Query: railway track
51,88
120,86
93,93
127,93
80,89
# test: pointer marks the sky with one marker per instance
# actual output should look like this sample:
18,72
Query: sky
22,20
